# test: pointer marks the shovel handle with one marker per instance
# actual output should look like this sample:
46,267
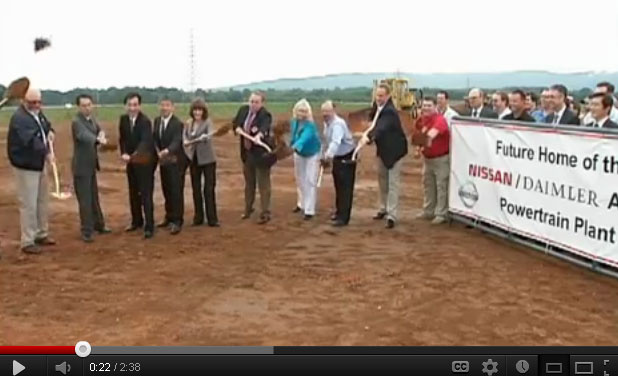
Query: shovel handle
254,140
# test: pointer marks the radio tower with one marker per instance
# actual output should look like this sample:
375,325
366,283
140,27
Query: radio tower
191,63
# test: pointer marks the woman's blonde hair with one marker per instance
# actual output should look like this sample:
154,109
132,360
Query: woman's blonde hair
302,104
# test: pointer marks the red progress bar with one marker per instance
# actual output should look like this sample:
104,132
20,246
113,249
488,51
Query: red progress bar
39,350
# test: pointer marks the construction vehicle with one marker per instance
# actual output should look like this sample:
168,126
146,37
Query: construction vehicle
404,99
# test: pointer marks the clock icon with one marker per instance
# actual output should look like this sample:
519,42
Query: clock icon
522,367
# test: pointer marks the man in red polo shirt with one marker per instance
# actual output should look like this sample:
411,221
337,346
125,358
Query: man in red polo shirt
432,136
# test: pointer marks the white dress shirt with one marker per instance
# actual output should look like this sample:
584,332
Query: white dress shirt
558,115
448,114
507,111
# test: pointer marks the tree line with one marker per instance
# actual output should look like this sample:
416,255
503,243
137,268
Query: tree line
115,95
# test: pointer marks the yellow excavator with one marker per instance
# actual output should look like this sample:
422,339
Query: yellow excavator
404,98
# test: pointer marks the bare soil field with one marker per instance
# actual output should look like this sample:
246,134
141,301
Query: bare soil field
290,282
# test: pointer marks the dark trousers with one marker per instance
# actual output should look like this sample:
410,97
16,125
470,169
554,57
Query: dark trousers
344,175
170,185
141,184
204,194
260,177
90,214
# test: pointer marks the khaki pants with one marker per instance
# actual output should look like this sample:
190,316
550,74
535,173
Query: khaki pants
33,196
256,176
388,180
435,183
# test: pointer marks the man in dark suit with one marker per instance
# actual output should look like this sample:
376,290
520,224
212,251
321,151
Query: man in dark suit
29,145
138,152
255,120
392,146
519,110
562,114
87,135
168,142
476,99
600,106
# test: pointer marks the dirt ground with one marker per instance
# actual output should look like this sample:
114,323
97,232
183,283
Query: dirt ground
290,282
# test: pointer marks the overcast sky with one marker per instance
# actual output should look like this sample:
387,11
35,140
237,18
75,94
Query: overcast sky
99,44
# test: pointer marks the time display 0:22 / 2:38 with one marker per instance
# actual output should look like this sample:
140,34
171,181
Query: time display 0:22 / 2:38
114,367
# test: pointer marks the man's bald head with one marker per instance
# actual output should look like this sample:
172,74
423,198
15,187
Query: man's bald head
328,110
33,94
475,98
32,99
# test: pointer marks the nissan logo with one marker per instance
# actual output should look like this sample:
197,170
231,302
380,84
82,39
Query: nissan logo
468,194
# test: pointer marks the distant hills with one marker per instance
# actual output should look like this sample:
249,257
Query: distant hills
574,81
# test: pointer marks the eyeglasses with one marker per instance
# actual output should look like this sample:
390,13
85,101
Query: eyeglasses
34,102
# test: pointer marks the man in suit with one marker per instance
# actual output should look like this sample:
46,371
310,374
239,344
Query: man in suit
168,142
562,114
444,108
87,135
138,153
255,120
600,107
604,88
519,108
500,102
476,100
29,143
392,146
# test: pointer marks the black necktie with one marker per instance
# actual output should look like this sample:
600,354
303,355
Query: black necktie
474,113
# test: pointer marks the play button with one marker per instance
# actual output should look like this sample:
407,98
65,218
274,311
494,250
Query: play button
17,367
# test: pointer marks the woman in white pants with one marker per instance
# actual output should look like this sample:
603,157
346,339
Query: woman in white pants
306,145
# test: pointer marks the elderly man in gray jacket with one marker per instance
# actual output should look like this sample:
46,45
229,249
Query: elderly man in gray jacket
87,134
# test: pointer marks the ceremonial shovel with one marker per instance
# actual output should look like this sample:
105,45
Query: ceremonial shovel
360,144
16,90
57,194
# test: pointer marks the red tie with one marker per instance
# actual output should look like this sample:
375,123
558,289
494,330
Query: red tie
248,123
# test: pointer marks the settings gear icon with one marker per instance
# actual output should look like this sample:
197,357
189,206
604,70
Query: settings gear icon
490,367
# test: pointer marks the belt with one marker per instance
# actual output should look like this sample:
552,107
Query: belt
345,156
438,156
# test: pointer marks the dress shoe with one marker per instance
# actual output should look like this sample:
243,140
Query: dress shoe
104,231
32,250
87,238
214,224
438,220
390,224
247,214
45,241
424,216
198,223
131,228
339,223
174,229
333,217
148,234
163,224
379,215
297,210
308,217
264,218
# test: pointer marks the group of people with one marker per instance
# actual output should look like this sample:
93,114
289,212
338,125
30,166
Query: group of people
554,107
176,147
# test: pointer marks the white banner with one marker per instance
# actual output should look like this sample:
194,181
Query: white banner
555,186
